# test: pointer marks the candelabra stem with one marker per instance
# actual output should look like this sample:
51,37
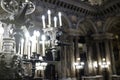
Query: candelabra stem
53,54
33,69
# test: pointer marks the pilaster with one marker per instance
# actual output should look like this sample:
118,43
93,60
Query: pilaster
89,54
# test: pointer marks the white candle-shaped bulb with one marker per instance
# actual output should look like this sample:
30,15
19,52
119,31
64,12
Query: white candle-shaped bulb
33,41
55,21
26,0
22,41
28,50
43,37
37,33
1,29
60,19
1,36
37,40
43,44
27,35
22,47
34,33
40,58
49,18
43,21
26,43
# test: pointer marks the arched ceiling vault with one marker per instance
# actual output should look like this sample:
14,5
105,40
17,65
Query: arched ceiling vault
87,27
111,23
108,8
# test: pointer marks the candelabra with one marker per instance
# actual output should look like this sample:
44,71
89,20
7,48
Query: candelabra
51,31
29,48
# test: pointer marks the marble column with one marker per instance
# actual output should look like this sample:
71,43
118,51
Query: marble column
113,58
98,58
67,59
63,63
63,68
108,55
77,55
72,58
89,70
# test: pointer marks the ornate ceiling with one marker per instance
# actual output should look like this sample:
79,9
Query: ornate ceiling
82,8
73,9
79,7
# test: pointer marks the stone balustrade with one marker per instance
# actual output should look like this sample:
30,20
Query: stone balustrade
115,77
98,77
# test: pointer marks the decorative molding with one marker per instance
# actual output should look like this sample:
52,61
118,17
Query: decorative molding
102,36
82,9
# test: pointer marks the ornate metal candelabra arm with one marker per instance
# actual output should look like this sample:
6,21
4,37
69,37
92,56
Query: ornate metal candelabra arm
52,33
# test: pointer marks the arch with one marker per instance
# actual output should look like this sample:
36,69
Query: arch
91,27
110,22
67,19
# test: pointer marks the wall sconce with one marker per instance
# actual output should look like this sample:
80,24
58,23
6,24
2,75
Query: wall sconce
78,64
51,28
104,63
41,66
95,64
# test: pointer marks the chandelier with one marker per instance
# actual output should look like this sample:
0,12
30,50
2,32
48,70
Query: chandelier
14,6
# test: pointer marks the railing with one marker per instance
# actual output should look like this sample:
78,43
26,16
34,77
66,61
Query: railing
98,77
115,77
